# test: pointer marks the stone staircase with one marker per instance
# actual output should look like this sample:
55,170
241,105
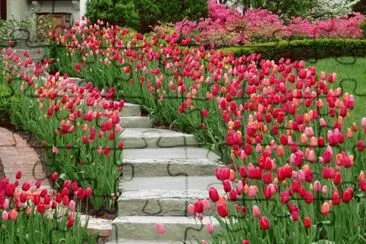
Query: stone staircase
164,171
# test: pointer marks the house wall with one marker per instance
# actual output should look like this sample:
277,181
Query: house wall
22,9
18,9
61,6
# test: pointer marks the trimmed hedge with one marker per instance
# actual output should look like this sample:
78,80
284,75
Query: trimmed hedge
303,49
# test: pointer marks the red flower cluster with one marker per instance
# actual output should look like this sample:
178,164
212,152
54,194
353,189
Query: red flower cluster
29,198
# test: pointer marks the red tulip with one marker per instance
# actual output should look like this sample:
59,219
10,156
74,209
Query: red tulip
307,222
13,214
65,201
264,223
347,195
336,198
41,208
54,176
70,221
222,209
213,194
198,206
18,175
204,113
26,186
88,192
38,184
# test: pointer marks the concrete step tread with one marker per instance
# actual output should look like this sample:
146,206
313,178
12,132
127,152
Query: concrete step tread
174,153
132,105
151,133
164,220
169,183
182,161
130,110
97,225
124,241
136,122
156,138
163,194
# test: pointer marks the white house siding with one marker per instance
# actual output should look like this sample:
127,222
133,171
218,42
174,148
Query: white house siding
18,9
22,9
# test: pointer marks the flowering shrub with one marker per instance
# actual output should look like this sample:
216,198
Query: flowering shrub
338,8
261,24
32,215
76,124
295,160
333,27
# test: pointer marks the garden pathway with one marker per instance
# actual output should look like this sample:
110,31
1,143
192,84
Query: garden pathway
16,154
164,171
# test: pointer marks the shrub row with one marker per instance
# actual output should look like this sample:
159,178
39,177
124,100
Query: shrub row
304,49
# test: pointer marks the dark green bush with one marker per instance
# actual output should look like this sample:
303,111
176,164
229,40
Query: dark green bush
363,27
7,101
304,49
7,97
142,15
120,12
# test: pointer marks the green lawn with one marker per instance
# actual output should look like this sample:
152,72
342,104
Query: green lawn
351,76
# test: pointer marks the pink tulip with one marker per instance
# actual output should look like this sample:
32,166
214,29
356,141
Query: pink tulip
256,211
191,209
363,122
6,203
160,228
72,205
317,186
206,204
5,215
210,228
252,191
13,214
55,150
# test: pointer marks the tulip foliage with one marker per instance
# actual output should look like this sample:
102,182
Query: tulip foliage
295,158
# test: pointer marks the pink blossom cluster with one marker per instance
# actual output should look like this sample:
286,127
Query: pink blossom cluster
226,24
334,27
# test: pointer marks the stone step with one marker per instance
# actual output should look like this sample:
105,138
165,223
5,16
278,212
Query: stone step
168,161
97,225
155,138
163,195
124,241
136,122
130,109
159,202
176,228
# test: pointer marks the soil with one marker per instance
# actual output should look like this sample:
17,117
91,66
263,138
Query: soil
2,174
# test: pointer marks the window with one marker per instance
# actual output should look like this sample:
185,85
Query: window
3,9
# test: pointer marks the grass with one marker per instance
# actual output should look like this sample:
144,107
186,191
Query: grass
351,77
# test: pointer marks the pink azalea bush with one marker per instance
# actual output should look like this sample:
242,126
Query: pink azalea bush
347,27
260,24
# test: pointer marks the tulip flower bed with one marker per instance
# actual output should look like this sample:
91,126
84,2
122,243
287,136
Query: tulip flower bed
31,215
295,156
77,125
